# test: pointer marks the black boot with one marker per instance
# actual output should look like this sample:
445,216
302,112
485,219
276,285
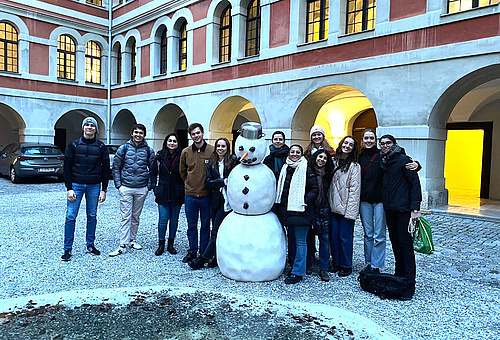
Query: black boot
198,262
161,248
170,246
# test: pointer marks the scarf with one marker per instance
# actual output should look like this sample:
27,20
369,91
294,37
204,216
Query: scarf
297,191
394,150
170,158
278,155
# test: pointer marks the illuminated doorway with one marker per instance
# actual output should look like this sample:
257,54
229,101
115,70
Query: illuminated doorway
468,162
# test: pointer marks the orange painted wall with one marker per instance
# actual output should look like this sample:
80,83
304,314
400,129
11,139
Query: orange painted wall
39,29
199,43
145,60
401,9
199,10
39,59
145,30
280,24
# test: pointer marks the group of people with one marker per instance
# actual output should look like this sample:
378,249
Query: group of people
319,193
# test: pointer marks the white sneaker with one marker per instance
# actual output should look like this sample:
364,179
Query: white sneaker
135,245
121,249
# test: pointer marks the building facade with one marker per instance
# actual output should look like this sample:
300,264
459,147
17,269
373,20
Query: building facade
416,70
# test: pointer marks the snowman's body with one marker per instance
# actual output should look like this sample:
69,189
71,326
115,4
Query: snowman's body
251,243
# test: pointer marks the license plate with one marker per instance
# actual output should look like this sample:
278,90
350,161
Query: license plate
46,170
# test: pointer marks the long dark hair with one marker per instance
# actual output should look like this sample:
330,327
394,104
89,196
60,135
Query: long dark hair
164,146
328,166
344,164
229,160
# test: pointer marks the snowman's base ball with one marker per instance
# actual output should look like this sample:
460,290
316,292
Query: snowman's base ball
251,248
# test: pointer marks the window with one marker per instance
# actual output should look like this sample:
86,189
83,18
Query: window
66,57
119,65
317,20
182,47
93,62
95,2
360,15
8,48
225,35
252,41
163,52
133,61
463,5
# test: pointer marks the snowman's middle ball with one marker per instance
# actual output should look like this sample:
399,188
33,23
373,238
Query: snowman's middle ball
256,149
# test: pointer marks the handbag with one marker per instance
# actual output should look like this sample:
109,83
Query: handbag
422,238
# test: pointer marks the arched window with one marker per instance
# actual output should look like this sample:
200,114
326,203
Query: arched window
225,35
183,47
95,2
360,15
8,48
163,52
118,64
93,62
463,5
133,61
66,57
317,20
252,41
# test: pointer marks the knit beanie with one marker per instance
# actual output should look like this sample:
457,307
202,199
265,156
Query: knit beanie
90,120
317,128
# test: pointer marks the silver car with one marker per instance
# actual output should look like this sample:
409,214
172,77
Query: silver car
20,160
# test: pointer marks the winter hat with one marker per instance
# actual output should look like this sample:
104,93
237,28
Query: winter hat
90,120
317,128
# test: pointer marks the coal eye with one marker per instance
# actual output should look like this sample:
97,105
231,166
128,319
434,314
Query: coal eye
241,148
252,149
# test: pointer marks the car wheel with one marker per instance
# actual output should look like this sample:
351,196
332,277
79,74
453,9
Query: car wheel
14,178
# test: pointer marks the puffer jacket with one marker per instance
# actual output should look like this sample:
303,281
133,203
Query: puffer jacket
170,187
132,168
345,190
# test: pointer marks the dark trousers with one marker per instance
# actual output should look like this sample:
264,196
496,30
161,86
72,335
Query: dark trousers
402,245
217,215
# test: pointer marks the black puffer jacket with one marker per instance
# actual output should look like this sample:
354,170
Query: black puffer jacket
371,179
294,218
131,166
321,223
170,187
401,191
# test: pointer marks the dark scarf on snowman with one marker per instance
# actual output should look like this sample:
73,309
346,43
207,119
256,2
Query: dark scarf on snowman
296,197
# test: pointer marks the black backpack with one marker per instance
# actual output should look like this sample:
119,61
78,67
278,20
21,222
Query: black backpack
386,286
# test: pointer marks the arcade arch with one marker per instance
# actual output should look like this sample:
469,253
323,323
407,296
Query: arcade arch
468,111
339,109
228,117
12,126
120,130
170,119
69,127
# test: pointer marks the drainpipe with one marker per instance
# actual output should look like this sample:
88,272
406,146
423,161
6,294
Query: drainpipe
110,20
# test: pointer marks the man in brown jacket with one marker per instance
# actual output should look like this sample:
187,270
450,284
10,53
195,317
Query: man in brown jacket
193,169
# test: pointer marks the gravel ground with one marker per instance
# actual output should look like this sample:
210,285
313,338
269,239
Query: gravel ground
457,295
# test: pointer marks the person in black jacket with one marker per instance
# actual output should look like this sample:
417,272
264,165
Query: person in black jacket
401,195
86,172
321,166
278,152
169,192
220,165
371,209
296,193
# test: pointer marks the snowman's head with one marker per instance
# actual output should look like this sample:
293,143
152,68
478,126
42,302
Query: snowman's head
256,149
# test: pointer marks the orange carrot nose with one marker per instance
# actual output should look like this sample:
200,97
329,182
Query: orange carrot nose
244,156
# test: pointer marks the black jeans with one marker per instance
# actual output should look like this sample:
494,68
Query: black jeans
402,245
217,215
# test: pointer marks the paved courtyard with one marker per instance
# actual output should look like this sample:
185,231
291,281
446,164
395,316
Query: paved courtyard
458,287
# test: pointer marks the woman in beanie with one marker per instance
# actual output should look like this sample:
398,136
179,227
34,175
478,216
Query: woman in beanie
318,141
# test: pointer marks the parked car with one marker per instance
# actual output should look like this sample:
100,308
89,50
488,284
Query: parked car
20,160
112,148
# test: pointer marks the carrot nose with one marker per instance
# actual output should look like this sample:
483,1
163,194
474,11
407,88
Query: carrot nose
244,156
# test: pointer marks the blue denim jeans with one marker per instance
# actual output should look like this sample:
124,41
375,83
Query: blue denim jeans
341,242
324,251
373,220
193,206
168,212
299,263
91,192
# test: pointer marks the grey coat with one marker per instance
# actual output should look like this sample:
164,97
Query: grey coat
131,166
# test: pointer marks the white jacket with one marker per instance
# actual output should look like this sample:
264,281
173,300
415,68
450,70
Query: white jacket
344,192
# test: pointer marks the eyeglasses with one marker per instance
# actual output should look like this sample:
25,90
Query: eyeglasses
385,143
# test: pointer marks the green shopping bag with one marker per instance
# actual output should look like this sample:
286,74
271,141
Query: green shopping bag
422,239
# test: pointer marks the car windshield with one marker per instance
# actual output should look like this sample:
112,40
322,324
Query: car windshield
112,149
41,150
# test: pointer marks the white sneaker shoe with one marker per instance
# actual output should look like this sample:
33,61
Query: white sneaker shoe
135,245
121,249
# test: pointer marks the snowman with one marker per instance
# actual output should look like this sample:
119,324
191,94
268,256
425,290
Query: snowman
251,243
